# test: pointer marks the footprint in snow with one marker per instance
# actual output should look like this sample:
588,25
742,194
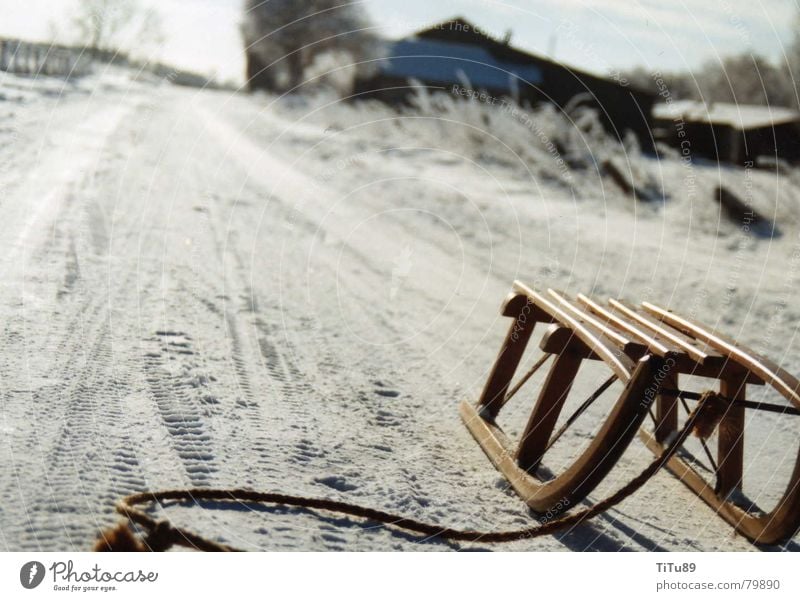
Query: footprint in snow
337,483
381,390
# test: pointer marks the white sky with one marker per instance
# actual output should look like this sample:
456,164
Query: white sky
597,35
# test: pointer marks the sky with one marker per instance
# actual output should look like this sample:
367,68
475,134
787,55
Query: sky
600,36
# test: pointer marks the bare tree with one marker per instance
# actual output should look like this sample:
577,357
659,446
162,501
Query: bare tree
150,36
284,37
107,26
676,84
793,65
742,78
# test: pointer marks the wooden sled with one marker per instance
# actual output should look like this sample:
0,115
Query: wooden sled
646,348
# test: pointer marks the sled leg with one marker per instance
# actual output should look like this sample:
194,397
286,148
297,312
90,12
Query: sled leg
547,409
731,438
505,366
667,409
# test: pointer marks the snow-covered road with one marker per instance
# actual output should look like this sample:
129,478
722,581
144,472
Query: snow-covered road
200,290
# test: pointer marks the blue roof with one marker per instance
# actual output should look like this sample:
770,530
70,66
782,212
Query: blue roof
448,63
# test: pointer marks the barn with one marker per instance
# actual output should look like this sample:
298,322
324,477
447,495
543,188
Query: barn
730,133
458,53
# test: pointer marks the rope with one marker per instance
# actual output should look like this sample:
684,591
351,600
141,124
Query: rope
709,455
536,366
578,412
758,406
160,535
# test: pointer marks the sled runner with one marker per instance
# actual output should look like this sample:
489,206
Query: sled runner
647,349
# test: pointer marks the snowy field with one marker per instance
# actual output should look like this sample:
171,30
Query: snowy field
208,289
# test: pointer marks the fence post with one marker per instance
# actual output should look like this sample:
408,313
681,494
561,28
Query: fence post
14,57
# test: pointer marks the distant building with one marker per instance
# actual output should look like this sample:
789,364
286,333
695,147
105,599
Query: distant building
730,133
457,53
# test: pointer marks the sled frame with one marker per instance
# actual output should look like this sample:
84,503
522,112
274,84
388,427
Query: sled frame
647,348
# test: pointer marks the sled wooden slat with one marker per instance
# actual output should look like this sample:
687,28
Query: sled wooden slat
624,343
647,348
695,353
714,366
619,362
785,383
652,343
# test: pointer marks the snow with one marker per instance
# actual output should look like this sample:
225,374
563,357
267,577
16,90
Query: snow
212,289
739,116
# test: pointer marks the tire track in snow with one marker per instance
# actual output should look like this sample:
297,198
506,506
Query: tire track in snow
289,383
174,391
92,462
252,442
297,398
245,444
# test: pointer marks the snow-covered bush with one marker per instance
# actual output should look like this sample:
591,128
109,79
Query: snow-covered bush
564,146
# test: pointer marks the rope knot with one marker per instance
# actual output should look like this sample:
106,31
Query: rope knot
161,537
119,539
710,410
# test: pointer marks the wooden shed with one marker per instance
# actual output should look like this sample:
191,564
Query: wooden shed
457,53
730,133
